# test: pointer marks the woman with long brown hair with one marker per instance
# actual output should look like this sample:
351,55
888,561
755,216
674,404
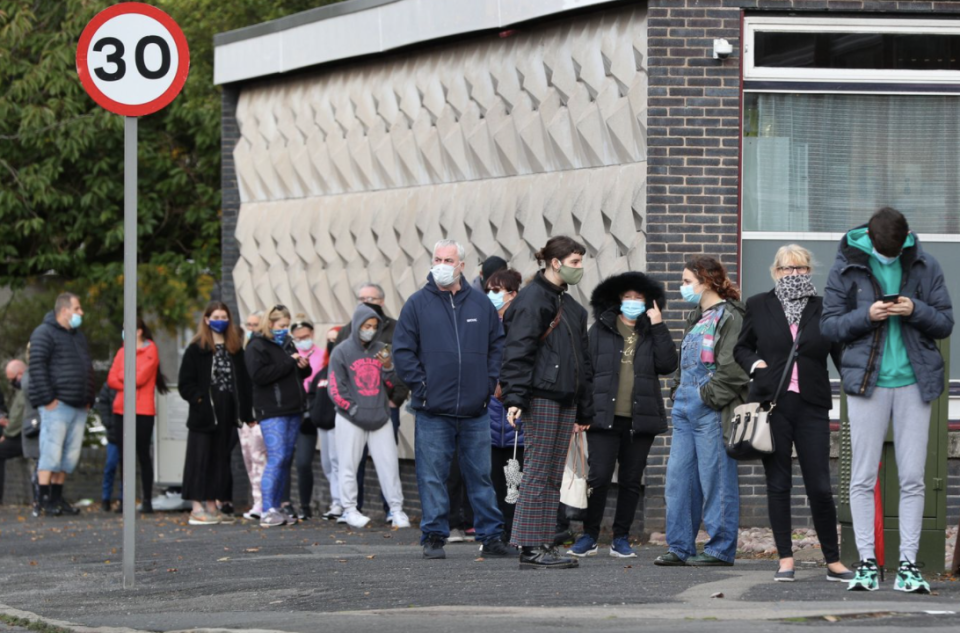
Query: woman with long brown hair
547,383
150,382
701,478
214,381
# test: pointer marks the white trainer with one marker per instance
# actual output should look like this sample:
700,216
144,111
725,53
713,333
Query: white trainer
355,520
401,520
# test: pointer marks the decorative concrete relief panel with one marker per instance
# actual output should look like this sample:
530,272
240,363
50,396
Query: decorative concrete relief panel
353,174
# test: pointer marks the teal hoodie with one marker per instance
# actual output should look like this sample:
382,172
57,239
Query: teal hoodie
895,367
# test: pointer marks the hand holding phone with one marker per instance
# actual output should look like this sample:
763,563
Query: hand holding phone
890,298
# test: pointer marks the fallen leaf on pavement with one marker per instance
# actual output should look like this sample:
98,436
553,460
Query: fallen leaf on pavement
252,549
479,560
831,618
371,556
172,570
340,542
221,560
719,594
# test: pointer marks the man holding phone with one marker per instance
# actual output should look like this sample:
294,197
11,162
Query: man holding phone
887,303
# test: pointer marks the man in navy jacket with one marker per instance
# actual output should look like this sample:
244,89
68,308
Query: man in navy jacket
447,348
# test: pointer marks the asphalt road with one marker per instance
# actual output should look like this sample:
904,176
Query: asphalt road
322,576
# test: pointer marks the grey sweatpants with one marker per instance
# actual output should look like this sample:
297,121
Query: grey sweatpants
869,421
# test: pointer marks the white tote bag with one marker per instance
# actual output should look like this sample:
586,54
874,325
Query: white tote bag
574,490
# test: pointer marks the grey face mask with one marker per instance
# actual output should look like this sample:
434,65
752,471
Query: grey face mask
367,335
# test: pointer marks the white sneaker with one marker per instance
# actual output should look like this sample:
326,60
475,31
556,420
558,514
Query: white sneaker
400,519
456,536
355,520
335,512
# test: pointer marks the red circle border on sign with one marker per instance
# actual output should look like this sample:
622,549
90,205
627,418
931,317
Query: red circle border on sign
183,53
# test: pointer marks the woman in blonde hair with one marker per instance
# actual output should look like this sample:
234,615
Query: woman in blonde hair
277,371
777,320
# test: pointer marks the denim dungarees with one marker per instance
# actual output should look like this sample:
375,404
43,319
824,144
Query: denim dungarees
701,479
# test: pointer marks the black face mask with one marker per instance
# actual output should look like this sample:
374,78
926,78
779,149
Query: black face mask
15,383
376,308
329,348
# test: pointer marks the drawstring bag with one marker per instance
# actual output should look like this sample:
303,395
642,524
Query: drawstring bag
512,472
574,490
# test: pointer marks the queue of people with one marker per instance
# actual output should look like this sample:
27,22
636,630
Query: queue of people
497,370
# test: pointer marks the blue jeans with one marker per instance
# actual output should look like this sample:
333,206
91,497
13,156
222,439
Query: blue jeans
702,479
110,471
280,438
61,437
437,437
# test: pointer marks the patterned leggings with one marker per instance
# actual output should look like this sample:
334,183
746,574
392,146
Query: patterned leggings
280,437
547,433
255,459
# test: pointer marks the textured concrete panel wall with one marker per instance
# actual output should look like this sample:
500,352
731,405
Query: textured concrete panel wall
354,173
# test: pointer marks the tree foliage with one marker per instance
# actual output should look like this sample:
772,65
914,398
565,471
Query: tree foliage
61,161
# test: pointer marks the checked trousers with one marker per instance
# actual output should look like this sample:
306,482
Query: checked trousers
547,432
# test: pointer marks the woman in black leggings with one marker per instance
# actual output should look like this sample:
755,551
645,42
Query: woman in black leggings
150,381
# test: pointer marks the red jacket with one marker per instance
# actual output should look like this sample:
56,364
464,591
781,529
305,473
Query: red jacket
148,365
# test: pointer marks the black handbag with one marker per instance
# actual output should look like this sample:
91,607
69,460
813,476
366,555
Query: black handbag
31,428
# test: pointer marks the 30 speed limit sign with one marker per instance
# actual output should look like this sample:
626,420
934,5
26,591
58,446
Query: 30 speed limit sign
133,59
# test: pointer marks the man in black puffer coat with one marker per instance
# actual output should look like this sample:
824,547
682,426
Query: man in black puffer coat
631,348
61,388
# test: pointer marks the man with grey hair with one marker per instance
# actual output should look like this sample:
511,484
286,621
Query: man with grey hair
447,348
61,387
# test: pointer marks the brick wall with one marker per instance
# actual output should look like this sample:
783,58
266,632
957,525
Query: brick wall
693,158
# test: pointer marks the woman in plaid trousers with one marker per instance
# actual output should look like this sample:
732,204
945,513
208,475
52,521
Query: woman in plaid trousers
547,385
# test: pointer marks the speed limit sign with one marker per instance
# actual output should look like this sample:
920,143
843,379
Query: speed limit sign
133,59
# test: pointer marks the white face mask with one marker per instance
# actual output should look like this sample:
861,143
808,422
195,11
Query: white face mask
445,275
367,335
304,346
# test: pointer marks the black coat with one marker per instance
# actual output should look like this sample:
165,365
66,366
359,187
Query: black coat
195,381
558,368
323,413
766,336
277,380
108,418
60,366
655,356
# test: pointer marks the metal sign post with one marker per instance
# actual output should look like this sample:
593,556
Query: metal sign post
133,60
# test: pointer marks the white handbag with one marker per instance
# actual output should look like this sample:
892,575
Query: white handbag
574,490
750,434
512,473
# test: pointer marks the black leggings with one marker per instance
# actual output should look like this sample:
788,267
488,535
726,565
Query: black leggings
144,440
306,449
798,423
498,459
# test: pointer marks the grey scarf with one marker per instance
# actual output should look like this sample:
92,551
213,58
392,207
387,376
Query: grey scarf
793,291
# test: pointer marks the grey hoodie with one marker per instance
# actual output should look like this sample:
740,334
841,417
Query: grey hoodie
358,384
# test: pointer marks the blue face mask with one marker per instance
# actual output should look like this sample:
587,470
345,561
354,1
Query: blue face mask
280,336
686,291
219,326
883,259
632,308
75,321
496,298
249,335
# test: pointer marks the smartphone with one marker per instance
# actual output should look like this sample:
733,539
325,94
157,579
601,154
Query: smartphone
890,298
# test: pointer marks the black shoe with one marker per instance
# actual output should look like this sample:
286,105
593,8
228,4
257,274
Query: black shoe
669,560
433,548
146,507
706,560
56,497
226,508
496,547
545,557
564,537
49,508
106,505
305,513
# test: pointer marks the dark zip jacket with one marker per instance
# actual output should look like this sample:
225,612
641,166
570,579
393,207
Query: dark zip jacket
194,383
447,350
655,356
358,383
60,366
852,289
277,381
558,368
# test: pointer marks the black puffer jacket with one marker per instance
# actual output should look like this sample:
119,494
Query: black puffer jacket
277,381
195,381
656,354
558,368
60,366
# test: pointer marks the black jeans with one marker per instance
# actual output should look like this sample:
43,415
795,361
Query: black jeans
498,459
798,423
144,459
10,448
607,449
303,456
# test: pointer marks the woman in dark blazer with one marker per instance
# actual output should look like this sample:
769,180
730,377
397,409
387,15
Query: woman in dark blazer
802,416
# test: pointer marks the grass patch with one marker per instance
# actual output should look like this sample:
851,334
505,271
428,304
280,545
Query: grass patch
33,625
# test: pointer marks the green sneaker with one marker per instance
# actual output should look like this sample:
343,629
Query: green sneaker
910,580
866,578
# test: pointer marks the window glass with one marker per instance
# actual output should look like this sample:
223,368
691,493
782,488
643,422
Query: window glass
825,162
883,51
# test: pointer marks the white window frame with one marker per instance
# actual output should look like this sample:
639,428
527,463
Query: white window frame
844,25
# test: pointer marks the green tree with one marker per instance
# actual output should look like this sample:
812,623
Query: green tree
61,162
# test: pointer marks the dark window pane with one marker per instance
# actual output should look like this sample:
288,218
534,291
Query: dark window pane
884,51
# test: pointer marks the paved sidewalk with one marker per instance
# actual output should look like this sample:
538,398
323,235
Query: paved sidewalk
322,576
